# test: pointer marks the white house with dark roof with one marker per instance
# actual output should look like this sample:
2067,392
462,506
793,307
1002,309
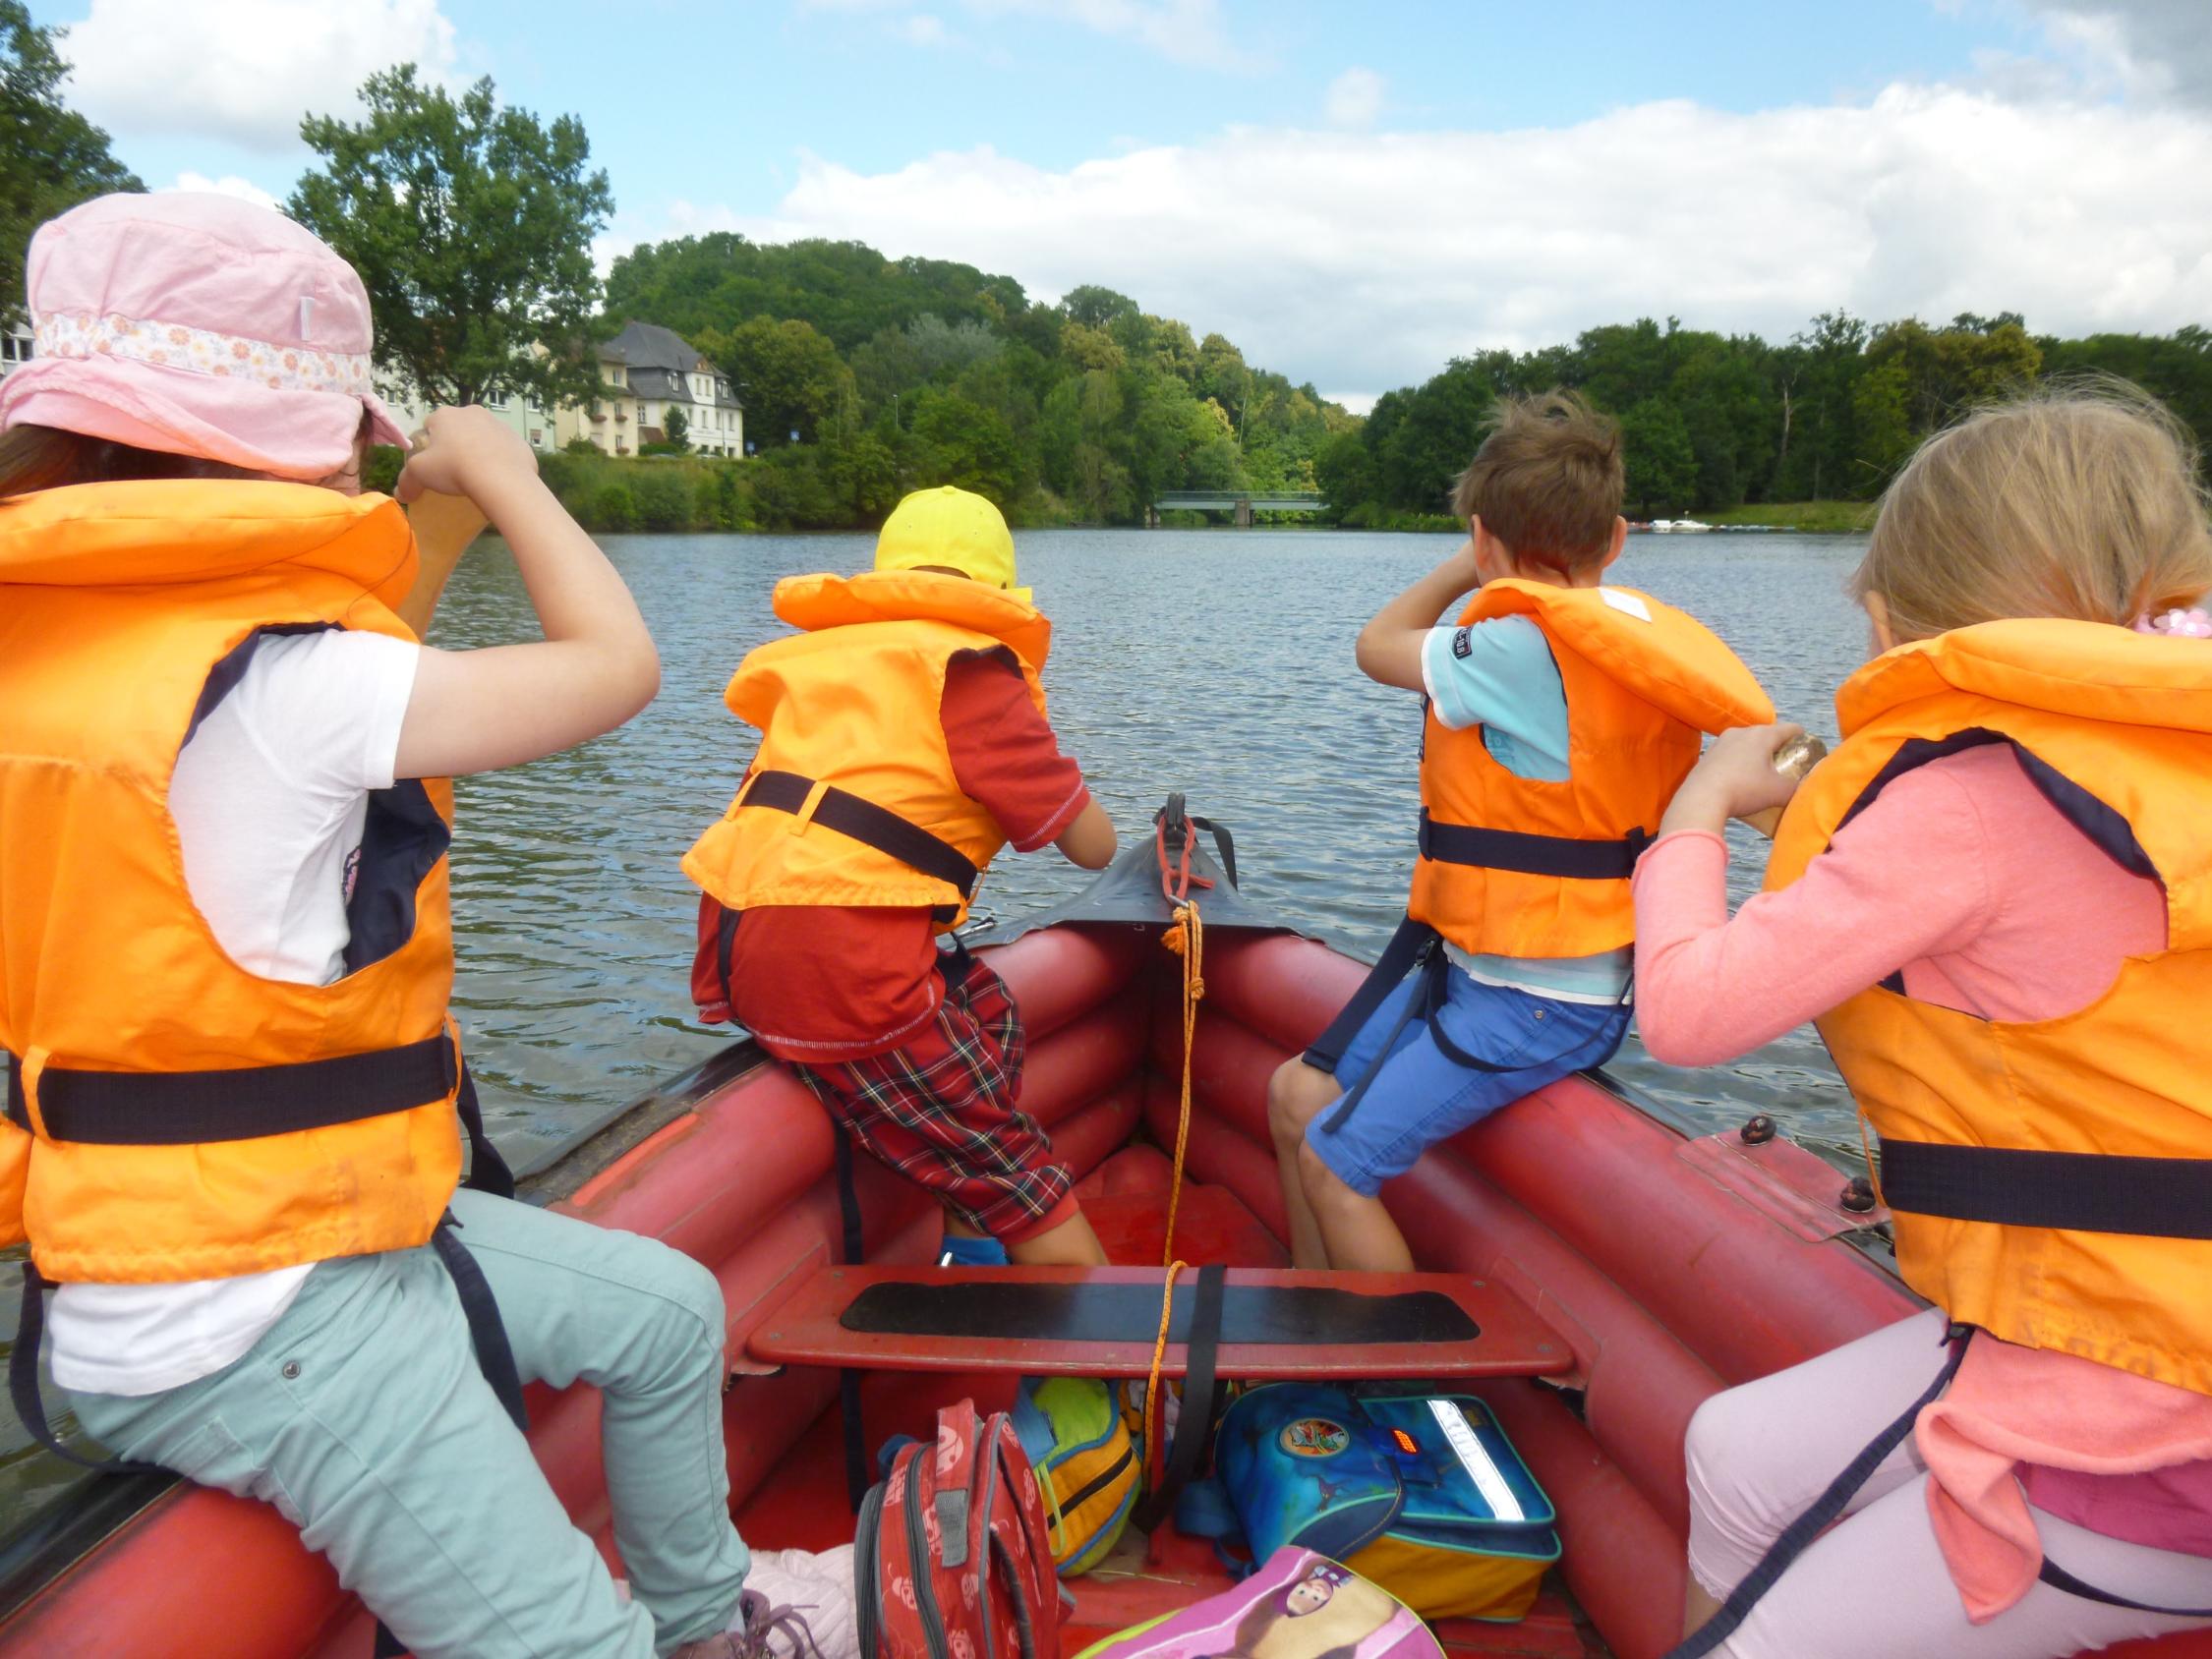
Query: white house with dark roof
646,371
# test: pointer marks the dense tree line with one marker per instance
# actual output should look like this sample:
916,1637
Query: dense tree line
1712,421
897,374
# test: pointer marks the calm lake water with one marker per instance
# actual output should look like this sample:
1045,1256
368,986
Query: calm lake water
1217,662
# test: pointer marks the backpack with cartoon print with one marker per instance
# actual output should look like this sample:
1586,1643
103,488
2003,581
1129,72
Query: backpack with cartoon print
952,1559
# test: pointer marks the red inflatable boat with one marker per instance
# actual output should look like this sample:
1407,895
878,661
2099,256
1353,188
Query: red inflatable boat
1621,1267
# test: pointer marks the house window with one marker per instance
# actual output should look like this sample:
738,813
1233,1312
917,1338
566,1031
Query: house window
15,348
497,400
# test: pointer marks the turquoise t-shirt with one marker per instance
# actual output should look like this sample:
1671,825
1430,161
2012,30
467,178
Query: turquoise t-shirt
1499,675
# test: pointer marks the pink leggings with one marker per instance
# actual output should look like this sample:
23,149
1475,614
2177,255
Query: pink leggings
1874,1585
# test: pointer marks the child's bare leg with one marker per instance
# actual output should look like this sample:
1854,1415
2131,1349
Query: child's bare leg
1295,1095
1070,1243
1698,1603
1357,1231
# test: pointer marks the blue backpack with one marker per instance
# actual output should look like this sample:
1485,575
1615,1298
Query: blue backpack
1423,1494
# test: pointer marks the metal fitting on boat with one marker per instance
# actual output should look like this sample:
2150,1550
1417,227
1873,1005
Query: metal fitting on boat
1758,1131
1858,1196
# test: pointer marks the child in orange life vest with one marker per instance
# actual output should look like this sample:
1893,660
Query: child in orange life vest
1561,715
1996,898
223,904
903,741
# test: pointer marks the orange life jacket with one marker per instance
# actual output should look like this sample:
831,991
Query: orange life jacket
1515,866
2052,1179
852,799
170,1114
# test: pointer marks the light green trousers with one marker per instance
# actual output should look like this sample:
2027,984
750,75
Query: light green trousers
360,1414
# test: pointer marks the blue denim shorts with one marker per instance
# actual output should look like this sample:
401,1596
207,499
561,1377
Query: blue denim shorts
1420,1095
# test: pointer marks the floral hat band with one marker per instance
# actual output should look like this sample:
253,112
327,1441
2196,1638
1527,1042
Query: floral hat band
202,350
199,324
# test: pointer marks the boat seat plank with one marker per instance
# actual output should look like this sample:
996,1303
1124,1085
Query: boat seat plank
1103,1322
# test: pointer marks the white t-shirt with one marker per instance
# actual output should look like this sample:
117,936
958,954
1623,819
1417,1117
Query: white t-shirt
269,799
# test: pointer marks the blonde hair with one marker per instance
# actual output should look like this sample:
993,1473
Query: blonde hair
2082,501
1547,481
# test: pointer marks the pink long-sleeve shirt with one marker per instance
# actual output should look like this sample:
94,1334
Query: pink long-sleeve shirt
1964,878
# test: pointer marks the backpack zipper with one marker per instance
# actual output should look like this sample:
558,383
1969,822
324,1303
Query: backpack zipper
917,1553
867,1561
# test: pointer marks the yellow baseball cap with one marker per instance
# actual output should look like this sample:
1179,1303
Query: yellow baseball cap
954,528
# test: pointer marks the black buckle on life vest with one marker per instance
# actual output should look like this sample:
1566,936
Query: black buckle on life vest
239,1102
864,822
1565,856
2064,1191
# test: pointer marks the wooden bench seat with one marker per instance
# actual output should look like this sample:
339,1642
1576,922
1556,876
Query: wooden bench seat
1102,1322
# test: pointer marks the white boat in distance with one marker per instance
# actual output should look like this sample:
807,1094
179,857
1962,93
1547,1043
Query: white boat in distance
1680,527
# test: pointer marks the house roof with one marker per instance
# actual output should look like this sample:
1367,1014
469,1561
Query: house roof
658,359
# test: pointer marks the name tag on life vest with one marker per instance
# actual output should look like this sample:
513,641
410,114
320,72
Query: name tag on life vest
1621,599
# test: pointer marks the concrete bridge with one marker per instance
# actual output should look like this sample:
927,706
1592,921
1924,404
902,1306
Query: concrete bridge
1242,502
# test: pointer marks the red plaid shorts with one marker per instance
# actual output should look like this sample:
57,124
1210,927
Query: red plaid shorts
941,1110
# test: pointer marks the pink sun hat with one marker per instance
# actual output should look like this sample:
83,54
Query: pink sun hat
197,324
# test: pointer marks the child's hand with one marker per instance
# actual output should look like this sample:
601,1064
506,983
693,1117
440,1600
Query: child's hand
467,451
1734,778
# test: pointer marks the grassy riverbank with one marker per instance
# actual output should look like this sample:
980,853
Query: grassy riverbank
1812,517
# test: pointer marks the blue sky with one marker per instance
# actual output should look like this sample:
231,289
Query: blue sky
1352,192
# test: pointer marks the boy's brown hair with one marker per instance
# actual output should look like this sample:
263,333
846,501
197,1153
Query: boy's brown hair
1547,481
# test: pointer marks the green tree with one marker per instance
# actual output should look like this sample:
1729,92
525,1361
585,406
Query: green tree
1663,463
789,376
675,430
471,226
51,158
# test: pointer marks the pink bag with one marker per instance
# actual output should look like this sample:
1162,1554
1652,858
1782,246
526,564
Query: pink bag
1299,1605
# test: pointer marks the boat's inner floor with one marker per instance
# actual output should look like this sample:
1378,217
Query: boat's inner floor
802,1505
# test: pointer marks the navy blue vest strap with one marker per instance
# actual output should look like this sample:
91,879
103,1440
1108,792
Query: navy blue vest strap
1818,1515
1566,856
1399,957
2059,1579
242,1103
864,822
23,1380
2067,1191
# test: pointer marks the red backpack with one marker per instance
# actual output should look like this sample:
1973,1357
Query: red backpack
952,1559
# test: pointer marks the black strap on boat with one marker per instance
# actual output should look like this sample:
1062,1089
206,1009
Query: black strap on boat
864,822
1194,1429
1565,856
855,1250
2067,1191
1818,1515
239,1102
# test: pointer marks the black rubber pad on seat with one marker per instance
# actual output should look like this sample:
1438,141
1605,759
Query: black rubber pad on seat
1304,1315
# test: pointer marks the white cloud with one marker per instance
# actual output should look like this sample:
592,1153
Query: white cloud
242,70
1368,259
924,30
1354,98
230,184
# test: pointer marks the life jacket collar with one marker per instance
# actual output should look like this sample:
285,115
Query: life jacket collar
159,531
814,603
2091,670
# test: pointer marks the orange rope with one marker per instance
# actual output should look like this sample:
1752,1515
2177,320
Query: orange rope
1187,939
1154,1415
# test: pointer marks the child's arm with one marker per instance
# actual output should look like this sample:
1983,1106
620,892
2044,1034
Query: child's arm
1089,842
1903,881
476,711
1389,648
